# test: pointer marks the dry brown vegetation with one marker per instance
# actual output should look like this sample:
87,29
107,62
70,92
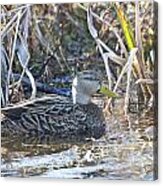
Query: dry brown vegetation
43,42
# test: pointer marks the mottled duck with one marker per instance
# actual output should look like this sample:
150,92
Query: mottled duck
58,116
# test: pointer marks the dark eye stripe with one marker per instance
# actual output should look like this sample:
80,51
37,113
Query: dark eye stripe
90,79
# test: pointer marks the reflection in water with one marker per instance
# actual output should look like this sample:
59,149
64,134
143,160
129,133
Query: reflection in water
125,152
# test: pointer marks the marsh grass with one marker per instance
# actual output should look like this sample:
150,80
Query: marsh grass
41,42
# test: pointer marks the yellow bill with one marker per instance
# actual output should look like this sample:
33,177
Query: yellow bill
104,90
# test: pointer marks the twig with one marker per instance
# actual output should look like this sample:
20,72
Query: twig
2,97
147,81
124,70
28,102
13,48
5,61
147,11
10,25
24,43
114,57
109,54
8,13
46,45
111,28
130,62
64,59
26,70
105,59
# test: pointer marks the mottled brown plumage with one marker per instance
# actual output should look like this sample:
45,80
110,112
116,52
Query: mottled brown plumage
58,116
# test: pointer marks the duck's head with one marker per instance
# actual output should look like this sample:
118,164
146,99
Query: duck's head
84,85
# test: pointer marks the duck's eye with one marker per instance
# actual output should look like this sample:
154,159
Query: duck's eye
98,91
99,88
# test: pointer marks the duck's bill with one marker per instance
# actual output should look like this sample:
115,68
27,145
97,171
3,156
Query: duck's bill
105,91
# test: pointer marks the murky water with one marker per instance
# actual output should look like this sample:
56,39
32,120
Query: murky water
125,152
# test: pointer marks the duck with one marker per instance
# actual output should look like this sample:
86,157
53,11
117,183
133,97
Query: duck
62,118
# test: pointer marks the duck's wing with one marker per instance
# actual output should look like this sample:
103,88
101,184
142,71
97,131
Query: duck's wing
37,106
54,116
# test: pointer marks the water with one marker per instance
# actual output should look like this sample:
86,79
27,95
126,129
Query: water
125,152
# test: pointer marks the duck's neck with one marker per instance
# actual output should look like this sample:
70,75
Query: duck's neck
81,99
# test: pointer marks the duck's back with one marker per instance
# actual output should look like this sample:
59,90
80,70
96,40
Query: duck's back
55,116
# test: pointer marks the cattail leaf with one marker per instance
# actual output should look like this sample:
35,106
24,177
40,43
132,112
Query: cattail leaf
126,27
